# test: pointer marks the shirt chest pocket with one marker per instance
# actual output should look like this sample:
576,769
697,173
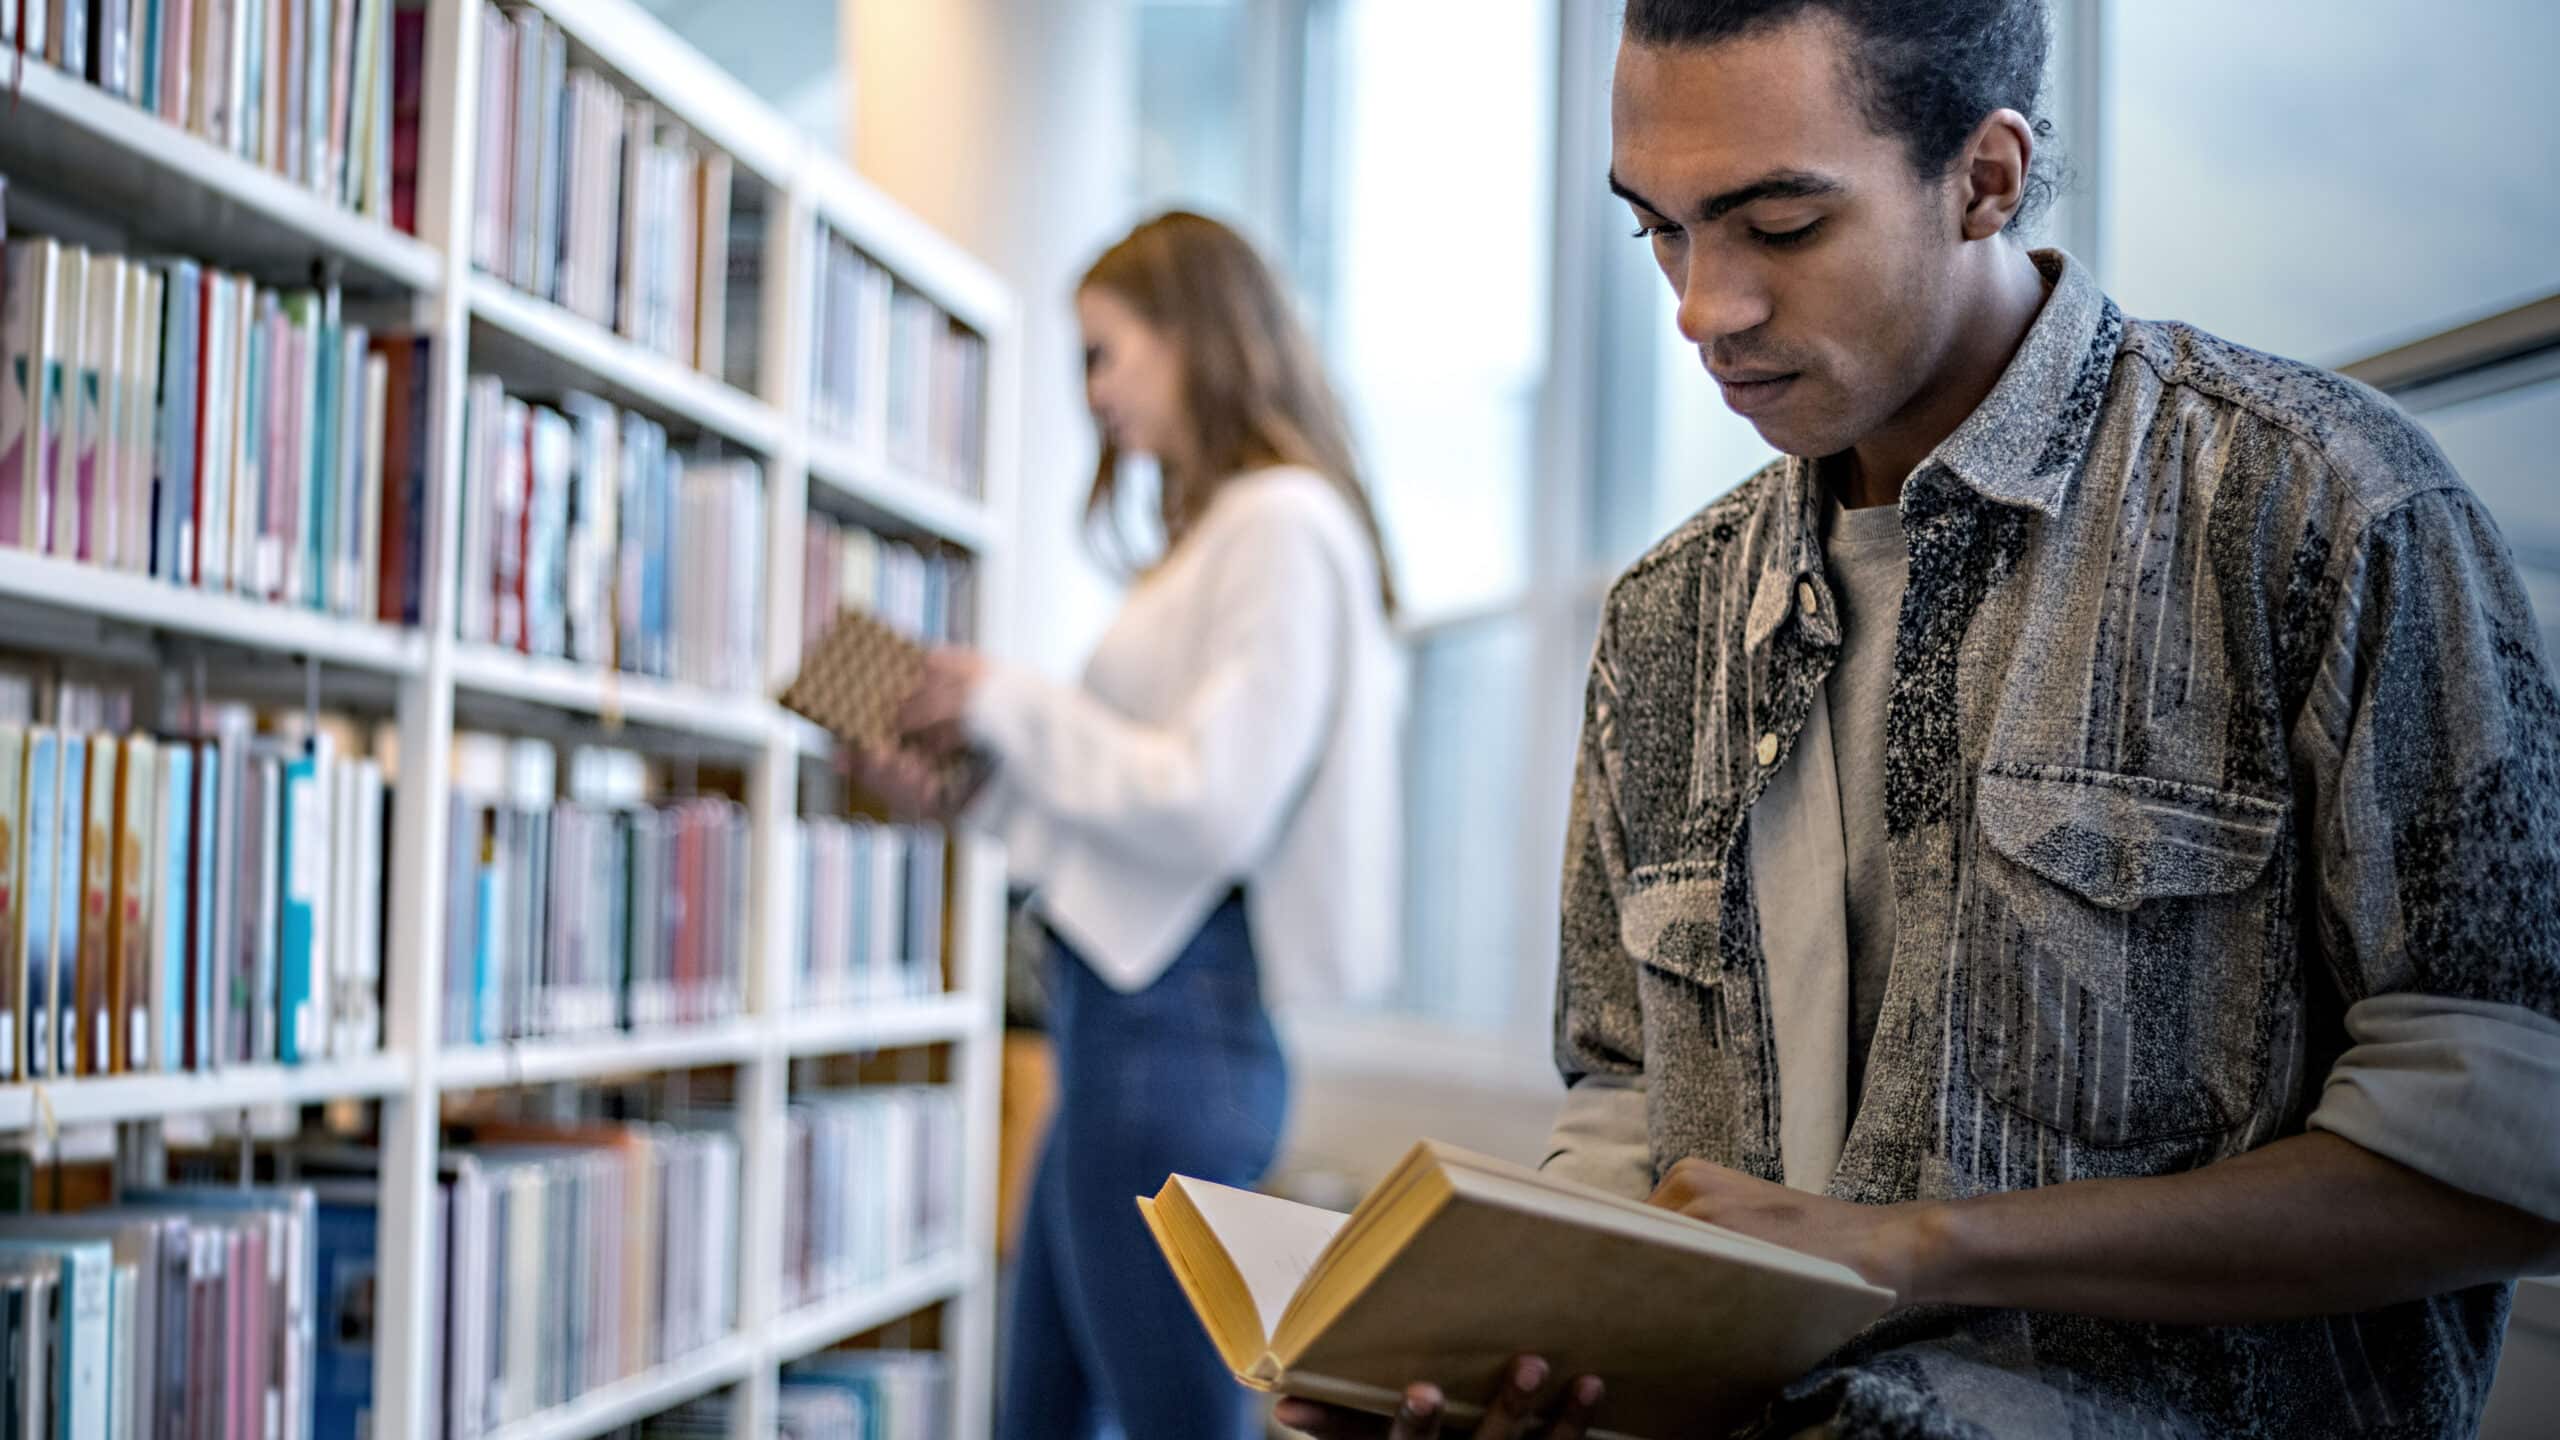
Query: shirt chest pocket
2122,949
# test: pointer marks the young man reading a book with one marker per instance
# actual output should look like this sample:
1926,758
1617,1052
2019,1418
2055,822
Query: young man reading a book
2078,837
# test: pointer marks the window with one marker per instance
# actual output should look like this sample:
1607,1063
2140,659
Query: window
1434,311
1415,214
2326,180
2502,443
1192,142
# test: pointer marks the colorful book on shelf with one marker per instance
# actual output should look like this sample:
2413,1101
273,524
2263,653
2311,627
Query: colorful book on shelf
207,1022
171,848
81,1342
129,987
40,840
94,1018
62,989
13,975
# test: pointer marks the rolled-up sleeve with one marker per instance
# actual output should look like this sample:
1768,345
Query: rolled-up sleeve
2462,1090
2431,735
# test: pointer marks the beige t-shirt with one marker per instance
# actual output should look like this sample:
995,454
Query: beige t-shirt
1869,561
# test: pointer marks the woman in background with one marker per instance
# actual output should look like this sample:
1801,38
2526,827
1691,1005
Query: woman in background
1208,820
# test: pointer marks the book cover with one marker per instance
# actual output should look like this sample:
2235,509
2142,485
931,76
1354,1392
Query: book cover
175,789
129,989
13,975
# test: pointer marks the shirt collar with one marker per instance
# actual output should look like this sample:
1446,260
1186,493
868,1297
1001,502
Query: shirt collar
2020,446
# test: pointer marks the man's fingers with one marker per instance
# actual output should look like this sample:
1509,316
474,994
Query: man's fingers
1508,1416
1581,1403
1418,1418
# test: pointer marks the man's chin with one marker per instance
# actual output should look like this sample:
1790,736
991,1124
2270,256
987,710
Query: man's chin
1804,441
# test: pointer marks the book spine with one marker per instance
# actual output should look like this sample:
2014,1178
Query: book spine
205,1030
303,956
364,577
71,431
177,789
266,917
13,975
128,994
42,837
87,1311
25,299
102,410
231,816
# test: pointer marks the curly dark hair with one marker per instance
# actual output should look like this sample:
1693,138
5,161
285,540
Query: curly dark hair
1927,70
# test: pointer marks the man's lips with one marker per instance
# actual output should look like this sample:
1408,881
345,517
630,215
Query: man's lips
1749,391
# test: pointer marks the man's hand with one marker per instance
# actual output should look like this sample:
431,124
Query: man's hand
1888,1244
1510,1415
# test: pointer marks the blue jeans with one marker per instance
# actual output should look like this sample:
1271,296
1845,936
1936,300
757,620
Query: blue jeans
1185,1076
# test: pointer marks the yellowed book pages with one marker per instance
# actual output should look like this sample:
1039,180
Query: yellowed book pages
1457,1262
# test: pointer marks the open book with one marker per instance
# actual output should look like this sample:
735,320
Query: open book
1457,1262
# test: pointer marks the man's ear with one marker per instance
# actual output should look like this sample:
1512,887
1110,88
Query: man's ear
1991,173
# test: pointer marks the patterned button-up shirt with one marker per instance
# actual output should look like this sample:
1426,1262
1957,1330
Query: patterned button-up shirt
2217,710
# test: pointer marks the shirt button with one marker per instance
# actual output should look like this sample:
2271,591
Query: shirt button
1768,749
1806,600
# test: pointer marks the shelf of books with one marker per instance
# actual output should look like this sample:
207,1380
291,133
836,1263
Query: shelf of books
171,176
429,432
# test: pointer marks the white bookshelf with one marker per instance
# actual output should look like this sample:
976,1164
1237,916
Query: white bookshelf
162,190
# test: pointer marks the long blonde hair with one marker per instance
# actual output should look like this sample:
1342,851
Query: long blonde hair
1252,387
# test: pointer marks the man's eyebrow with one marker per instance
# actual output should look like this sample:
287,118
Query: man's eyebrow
1776,185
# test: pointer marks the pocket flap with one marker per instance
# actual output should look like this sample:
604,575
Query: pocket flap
2119,840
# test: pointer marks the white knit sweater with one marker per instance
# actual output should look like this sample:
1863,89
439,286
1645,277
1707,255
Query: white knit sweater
1238,724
